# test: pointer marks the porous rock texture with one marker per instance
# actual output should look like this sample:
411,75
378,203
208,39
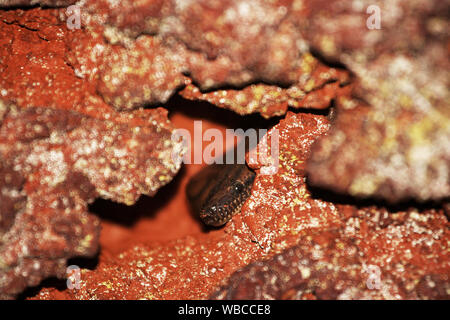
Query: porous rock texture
70,132
391,140
153,48
20,3
323,246
61,147
204,45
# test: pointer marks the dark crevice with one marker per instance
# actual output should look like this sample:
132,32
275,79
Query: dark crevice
203,110
19,7
332,63
345,199
237,87
53,282
59,284
145,207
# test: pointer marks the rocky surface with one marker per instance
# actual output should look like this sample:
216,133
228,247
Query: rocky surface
375,255
397,76
392,139
201,261
141,69
213,36
70,132
60,148
320,86
410,246
20,3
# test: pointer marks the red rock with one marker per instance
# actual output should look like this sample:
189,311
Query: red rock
16,3
321,84
398,148
59,87
150,69
375,255
60,148
281,214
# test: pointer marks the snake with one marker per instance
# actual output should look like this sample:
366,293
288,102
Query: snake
218,191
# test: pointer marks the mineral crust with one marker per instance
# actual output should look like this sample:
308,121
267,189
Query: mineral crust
391,140
400,78
52,3
61,147
63,143
410,247
158,50
375,255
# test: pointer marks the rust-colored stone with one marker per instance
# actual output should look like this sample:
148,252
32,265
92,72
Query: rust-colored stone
149,69
62,144
279,213
61,147
52,3
375,255
398,148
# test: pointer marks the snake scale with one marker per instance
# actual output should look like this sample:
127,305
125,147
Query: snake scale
218,192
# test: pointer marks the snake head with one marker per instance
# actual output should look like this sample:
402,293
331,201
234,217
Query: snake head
224,204
218,192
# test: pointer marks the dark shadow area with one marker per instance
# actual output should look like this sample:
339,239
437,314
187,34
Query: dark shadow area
318,112
60,284
332,63
53,282
21,7
203,110
84,262
284,85
345,199
145,207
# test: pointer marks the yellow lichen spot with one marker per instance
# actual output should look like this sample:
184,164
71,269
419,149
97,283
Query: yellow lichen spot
307,63
274,94
364,185
297,201
346,103
327,44
297,5
85,243
212,38
108,284
258,92
149,296
405,101
296,93
420,131
309,85
390,140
